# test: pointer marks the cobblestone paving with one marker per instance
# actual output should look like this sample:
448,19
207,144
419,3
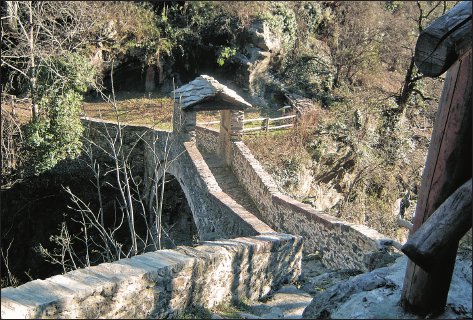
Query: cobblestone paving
229,183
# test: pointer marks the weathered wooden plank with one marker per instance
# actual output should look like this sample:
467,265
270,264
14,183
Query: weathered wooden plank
444,228
281,126
253,129
207,123
447,167
441,43
254,120
282,118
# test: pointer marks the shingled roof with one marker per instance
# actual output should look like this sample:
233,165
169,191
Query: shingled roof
206,93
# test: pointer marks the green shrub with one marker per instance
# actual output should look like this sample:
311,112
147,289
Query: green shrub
56,134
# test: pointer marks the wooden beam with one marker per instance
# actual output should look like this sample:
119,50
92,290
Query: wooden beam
280,127
448,166
442,42
444,229
282,118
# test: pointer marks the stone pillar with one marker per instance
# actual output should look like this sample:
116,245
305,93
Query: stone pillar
231,129
184,123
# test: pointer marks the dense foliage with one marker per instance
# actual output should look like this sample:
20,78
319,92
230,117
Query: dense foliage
57,133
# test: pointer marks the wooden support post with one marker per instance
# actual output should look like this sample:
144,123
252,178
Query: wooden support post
442,231
442,42
448,166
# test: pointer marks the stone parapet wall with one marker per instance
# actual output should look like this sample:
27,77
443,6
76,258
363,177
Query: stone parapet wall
163,283
208,139
216,215
342,244
219,215
103,133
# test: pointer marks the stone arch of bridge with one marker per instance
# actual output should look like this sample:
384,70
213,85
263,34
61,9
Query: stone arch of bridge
177,218
183,170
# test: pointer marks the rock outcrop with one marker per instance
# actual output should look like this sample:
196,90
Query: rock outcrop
376,295
261,51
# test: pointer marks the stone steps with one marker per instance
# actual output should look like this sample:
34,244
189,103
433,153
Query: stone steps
290,301
228,182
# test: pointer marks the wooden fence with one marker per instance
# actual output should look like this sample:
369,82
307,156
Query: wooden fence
265,123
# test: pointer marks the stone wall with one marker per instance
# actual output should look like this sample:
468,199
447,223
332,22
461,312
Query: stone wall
104,134
208,139
162,283
342,244
216,214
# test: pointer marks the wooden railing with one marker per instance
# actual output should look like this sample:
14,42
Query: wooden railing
265,123
444,199
208,123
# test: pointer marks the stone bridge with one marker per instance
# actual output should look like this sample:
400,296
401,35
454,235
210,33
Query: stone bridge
251,233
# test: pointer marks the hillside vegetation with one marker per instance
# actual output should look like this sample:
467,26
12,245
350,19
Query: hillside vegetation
355,153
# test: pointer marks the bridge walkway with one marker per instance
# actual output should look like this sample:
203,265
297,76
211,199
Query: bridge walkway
228,182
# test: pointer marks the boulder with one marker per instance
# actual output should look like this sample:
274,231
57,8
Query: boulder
376,295
262,37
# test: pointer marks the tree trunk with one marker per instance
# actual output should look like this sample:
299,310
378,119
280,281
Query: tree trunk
159,218
407,87
160,72
33,83
12,9
150,82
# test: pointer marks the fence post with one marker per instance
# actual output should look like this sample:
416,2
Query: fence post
444,45
266,124
448,165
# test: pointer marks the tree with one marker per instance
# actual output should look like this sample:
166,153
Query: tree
32,33
354,36
426,13
56,134
98,238
47,49
40,56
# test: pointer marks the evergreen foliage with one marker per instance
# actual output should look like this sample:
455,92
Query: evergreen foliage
56,135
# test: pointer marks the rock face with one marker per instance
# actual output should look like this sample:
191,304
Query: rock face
262,50
376,295
263,38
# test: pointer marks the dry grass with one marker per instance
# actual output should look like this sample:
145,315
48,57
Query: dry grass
275,148
19,109
134,108
143,109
